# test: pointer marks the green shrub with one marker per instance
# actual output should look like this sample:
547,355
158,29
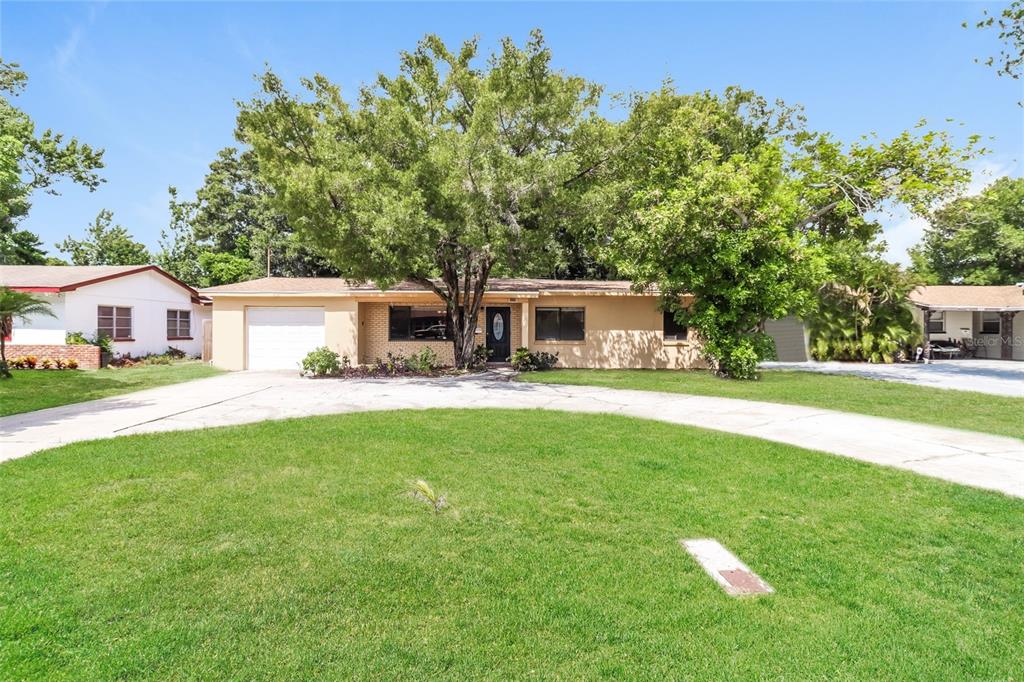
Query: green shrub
480,356
524,360
77,339
105,343
321,362
423,362
174,353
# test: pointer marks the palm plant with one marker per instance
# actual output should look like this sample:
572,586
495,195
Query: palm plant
868,320
20,305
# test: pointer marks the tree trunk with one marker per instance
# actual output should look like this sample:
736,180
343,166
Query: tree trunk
5,372
463,293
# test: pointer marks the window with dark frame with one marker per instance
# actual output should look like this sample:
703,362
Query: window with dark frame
179,324
559,324
673,331
990,323
418,323
114,322
937,322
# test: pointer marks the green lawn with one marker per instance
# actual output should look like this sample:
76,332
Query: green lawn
32,389
956,409
291,550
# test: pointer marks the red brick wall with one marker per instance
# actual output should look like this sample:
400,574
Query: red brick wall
88,356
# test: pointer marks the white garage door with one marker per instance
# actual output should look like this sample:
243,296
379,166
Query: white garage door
280,337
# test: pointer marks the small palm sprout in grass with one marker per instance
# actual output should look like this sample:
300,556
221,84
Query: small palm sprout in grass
422,490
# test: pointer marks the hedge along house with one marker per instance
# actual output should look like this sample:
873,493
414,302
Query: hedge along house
272,323
988,319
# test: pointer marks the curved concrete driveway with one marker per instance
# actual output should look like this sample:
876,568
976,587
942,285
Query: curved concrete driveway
992,462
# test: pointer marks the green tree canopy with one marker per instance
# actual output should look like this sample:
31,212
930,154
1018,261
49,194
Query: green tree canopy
105,244
232,231
31,161
445,174
731,199
976,240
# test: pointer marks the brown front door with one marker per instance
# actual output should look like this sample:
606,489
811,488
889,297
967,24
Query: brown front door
499,333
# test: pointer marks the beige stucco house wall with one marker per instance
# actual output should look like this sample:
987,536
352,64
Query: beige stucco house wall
341,320
622,329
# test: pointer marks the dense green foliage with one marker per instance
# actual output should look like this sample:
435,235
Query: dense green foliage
864,313
294,549
231,232
977,239
105,243
731,200
33,390
31,161
321,362
956,409
17,305
445,174
525,360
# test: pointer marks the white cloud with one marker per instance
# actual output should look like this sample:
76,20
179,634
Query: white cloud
68,50
66,53
239,43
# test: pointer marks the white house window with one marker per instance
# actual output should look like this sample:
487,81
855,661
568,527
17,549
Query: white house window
114,322
179,324
937,322
990,323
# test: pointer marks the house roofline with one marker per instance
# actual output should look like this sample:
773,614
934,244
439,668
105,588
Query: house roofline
969,308
96,280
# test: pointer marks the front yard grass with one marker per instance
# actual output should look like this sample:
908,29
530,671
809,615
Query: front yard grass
956,409
36,389
292,550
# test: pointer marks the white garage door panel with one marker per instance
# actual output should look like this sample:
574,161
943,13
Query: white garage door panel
279,338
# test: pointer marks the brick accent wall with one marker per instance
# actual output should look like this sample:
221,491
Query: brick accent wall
373,335
88,356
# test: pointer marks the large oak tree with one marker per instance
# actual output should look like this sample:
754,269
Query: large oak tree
730,199
446,174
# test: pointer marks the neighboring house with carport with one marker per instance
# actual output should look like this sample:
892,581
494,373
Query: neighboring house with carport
142,308
985,318
272,323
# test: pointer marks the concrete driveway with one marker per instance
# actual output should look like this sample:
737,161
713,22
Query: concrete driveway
996,377
992,462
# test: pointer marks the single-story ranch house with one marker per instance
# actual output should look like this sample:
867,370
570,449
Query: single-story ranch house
140,307
272,323
979,317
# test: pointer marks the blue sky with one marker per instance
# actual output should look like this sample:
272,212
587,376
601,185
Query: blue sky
155,84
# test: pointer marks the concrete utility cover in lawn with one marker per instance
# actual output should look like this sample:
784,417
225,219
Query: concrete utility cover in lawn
728,571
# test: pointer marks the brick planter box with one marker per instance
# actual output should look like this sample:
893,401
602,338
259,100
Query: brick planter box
88,356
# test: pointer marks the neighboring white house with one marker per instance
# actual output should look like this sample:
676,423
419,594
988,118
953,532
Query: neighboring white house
982,317
141,307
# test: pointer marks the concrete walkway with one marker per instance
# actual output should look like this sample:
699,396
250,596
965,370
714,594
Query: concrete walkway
992,462
995,377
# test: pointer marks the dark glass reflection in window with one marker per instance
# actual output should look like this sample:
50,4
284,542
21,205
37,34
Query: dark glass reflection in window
673,330
417,323
559,324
